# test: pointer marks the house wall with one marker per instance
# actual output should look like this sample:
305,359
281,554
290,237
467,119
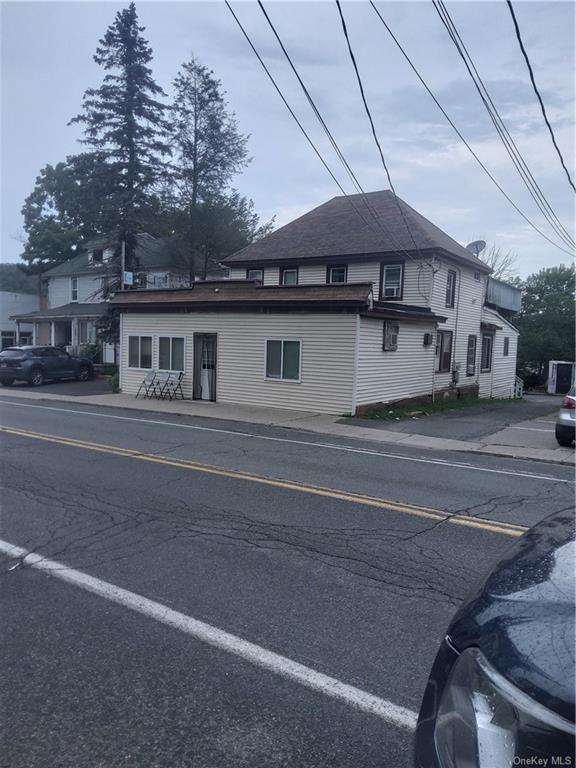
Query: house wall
416,277
499,381
89,290
463,319
15,303
389,376
327,356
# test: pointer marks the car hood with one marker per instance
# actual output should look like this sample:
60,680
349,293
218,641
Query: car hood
522,615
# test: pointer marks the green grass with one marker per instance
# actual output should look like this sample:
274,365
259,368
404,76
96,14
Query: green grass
395,413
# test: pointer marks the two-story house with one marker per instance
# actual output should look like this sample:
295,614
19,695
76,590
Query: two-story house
358,302
76,293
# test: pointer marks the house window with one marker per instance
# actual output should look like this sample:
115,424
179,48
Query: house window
84,335
255,274
477,276
450,288
289,276
390,337
73,289
506,346
443,351
97,256
337,274
486,356
171,353
139,351
8,339
25,337
283,359
391,281
471,356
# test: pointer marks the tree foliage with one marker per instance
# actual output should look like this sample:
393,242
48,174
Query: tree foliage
124,123
13,277
502,263
208,149
546,322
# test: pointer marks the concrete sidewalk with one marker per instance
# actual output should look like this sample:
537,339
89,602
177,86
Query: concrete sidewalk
496,444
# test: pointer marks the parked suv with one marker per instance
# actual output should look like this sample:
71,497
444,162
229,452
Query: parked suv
35,364
566,420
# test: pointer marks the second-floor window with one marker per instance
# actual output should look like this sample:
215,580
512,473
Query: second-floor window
391,281
97,256
73,289
450,288
255,274
337,274
289,276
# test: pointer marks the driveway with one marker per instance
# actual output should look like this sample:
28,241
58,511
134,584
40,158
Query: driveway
96,386
474,422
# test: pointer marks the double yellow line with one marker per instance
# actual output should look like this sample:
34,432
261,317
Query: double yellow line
508,529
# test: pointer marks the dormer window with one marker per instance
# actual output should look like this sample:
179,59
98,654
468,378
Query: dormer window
96,256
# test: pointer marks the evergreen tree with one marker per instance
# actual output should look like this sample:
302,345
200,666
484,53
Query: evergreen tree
208,150
124,123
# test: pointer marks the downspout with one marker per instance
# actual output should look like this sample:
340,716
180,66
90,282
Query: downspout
355,369
431,294
456,324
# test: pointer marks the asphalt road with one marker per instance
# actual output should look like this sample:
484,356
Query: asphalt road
324,552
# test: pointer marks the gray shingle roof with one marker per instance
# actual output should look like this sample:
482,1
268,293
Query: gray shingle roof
336,229
151,253
95,309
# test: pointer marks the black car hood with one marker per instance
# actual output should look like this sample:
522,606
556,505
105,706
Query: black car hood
522,616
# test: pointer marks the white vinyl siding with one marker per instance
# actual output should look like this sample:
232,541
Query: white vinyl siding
499,381
89,290
326,363
463,319
384,377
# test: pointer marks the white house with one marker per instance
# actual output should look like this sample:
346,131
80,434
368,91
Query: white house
76,291
12,303
342,309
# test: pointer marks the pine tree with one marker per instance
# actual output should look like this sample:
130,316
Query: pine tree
124,123
208,150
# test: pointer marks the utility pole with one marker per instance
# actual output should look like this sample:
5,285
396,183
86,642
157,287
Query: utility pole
122,263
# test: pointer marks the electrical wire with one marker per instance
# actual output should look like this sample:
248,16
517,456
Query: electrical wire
372,126
384,230
460,134
509,144
537,92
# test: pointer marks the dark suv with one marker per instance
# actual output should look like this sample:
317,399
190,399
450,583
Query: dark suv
35,364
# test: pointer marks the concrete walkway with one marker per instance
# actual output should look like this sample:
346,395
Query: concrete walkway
499,444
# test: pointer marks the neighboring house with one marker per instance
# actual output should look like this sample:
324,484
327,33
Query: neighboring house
331,313
76,291
13,303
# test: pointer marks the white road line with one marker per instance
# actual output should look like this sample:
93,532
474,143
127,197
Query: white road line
311,443
218,638
531,429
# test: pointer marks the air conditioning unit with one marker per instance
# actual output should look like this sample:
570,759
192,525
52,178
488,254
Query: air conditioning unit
428,339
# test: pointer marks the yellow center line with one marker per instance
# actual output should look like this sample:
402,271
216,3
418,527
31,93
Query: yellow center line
508,529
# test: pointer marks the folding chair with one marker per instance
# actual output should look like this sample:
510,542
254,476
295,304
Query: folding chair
161,385
147,384
174,385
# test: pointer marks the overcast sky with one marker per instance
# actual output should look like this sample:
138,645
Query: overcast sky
47,64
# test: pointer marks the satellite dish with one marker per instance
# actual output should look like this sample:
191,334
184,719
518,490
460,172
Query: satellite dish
476,247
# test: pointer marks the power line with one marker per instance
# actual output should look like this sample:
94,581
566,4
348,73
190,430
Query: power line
387,234
509,144
372,126
459,133
537,92
289,108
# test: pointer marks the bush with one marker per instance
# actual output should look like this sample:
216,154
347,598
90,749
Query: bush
115,382
90,351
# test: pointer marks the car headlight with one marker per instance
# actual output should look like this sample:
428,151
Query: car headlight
484,721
